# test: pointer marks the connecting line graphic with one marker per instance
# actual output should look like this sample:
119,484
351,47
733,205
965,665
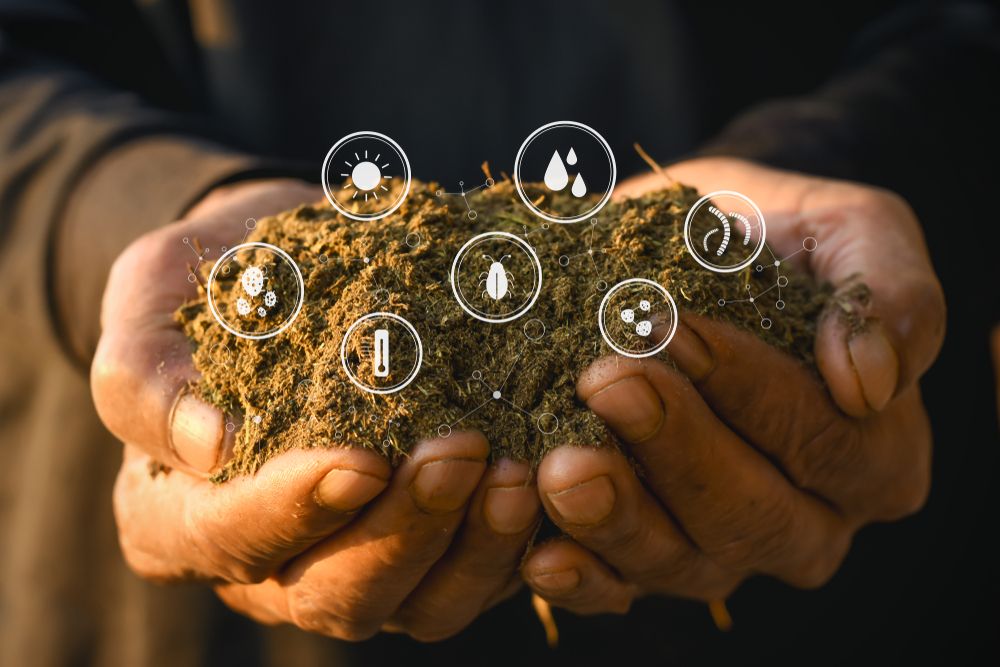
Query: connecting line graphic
564,260
809,244
202,253
464,194
546,422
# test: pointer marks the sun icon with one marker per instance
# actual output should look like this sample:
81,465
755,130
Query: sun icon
366,176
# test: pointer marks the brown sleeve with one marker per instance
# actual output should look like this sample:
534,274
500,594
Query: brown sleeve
85,168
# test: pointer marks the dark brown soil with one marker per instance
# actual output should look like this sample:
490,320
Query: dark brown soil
291,391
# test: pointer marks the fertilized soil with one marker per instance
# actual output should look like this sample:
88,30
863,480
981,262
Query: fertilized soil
292,391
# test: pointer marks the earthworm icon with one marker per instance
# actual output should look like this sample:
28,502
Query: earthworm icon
726,231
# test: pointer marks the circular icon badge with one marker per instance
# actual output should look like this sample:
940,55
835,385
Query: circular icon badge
569,163
381,353
366,176
255,290
637,318
724,231
496,277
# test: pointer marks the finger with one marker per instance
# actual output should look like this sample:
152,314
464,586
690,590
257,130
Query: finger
729,499
142,370
777,404
174,526
350,584
594,496
478,567
881,339
568,576
877,341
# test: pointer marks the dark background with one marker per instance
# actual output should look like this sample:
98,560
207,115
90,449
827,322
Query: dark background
919,591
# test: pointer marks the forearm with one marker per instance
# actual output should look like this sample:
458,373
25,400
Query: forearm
911,93
84,169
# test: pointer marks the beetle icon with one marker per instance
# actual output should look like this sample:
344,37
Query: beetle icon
497,280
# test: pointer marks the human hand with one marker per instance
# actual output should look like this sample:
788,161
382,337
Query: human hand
750,464
331,540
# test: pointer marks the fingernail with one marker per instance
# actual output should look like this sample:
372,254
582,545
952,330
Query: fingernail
196,432
876,364
343,490
445,486
587,503
631,407
556,583
510,510
690,353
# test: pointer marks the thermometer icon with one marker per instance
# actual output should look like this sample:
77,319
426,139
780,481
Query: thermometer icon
380,362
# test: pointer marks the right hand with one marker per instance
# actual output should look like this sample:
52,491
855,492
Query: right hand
331,540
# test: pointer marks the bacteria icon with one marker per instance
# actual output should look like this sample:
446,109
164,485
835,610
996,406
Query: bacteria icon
496,280
643,327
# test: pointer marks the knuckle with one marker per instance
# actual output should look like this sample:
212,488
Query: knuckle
223,559
760,533
834,450
816,571
317,611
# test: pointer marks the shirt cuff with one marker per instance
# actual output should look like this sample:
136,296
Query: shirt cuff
134,188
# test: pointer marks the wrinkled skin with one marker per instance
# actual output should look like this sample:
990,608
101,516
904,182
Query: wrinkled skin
751,465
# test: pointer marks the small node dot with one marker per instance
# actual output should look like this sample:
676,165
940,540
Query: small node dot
257,419
777,262
367,259
496,394
590,252
751,299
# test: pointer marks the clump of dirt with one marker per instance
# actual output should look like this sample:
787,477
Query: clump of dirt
291,390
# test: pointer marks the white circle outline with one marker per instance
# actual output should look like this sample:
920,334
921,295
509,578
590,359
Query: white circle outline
524,245
324,179
741,265
390,390
298,279
604,144
604,305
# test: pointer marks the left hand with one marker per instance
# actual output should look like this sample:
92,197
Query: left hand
752,465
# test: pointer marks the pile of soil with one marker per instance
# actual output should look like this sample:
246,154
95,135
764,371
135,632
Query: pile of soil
291,390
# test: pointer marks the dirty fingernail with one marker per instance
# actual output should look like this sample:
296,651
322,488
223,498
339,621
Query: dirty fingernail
444,486
587,503
343,490
556,583
510,509
196,432
631,407
876,364
690,353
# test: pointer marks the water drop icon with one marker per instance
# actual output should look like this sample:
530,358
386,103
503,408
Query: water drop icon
571,157
556,176
579,187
